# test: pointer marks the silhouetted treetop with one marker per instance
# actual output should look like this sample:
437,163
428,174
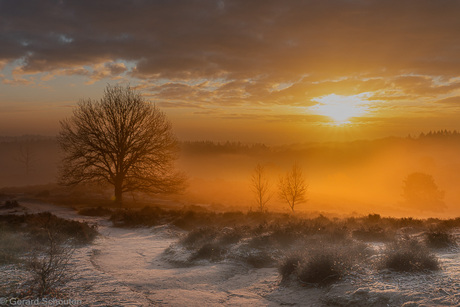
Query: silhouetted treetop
121,140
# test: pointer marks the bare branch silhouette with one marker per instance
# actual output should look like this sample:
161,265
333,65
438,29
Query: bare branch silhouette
260,187
292,187
121,140
26,157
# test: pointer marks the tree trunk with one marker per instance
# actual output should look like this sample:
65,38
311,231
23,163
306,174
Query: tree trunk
119,192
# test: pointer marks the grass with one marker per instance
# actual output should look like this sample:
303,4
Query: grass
35,226
14,245
42,244
313,251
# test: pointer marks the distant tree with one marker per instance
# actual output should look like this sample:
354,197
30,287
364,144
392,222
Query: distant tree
260,187
121,140
421,192
292,187
26,157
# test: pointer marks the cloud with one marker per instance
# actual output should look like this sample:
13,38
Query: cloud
454,101
239,52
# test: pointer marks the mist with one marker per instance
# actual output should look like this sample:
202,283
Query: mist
344,178
359,177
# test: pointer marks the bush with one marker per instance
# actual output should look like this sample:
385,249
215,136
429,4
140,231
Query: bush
371,234
409,256
198,237
285,235
289,265
99,211
439,239
48,263
147,216
209,251
230,236
10,204
36,225
321,269
259,259
77,232
13,244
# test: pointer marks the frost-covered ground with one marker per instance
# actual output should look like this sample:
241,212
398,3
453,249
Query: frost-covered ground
127,267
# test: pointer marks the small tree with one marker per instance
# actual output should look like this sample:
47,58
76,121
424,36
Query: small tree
260,187
26,157
48,261
292,187
121,140
421,192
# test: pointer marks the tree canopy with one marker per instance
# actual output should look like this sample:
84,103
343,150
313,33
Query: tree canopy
421,192
122,140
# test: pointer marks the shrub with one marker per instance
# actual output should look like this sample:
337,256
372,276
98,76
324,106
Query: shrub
77,232
260,259
439,239
289,264
321,269
198,237
409,256
371,234
13,244
189,220
230,236
374,218
451,223
48,263
36,225
285,235
99,211
260,241
147,216
10,204
209,251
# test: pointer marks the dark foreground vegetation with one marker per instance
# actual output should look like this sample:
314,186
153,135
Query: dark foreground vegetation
311,251
42,245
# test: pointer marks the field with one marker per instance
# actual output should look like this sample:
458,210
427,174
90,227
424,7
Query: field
191,257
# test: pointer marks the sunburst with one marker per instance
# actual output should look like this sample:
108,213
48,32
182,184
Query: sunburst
341,108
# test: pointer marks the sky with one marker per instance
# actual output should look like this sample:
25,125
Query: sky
252,71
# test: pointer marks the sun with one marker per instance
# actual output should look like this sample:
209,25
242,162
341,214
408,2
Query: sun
341,108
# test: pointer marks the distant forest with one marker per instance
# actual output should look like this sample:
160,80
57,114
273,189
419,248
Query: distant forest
239,147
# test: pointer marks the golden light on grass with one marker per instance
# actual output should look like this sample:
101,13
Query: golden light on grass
341,108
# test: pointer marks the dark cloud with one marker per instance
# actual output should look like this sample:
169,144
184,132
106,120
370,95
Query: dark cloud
249,48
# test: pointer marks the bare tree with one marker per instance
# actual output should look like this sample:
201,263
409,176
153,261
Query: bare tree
48,261
26,157
121,140
292,187
261,187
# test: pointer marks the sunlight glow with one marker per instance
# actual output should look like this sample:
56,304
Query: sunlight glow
341,108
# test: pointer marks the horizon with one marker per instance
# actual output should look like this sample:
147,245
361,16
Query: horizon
417,135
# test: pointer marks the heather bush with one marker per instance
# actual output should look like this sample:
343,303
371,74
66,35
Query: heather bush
409,256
